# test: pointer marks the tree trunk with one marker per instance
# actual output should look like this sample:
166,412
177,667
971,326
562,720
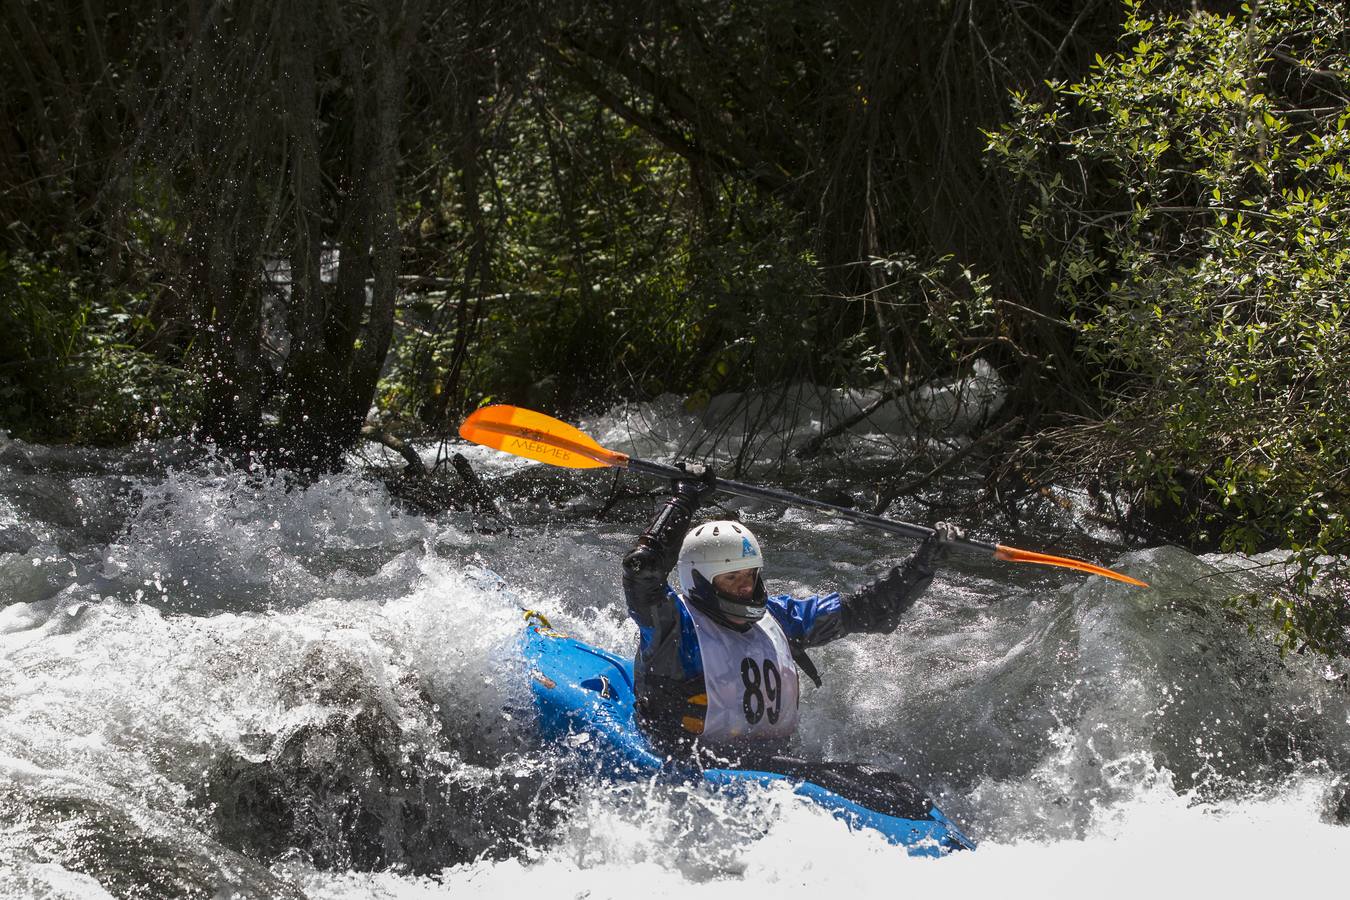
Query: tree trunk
340,346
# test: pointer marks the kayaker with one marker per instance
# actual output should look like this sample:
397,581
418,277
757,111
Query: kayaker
717,662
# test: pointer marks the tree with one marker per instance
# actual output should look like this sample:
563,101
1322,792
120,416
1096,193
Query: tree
863,119
281,131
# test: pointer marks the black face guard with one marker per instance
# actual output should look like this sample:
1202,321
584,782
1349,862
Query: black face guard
720,606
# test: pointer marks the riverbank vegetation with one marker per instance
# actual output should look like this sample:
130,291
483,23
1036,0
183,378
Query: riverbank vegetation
264,224
1190,198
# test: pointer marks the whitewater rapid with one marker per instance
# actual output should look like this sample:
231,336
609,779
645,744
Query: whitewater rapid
224,682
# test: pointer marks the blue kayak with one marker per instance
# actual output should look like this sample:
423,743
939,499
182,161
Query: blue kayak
584,699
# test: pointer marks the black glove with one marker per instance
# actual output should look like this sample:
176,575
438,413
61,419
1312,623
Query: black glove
934,548
946,532
697,486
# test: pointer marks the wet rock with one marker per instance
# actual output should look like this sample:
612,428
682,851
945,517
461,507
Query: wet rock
836,492
346,792
32,576
16,539
37,458
360,781
1338,802
127,851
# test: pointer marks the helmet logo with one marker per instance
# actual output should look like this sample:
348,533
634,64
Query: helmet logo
747,549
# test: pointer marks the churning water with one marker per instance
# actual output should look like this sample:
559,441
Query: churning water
216,682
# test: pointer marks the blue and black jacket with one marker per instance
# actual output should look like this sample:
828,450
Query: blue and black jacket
668,669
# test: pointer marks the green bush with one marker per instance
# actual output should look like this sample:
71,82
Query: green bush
611,278
69,370
1191,200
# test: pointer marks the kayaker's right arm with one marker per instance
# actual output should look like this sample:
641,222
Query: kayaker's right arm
874,609
877,608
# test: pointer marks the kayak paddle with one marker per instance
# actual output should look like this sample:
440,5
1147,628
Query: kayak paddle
542,438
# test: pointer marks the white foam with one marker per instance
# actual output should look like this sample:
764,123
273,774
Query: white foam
1159,844
764,427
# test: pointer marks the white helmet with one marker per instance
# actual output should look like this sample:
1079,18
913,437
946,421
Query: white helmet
712,549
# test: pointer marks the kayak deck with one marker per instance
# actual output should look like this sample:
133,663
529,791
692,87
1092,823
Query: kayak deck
584,698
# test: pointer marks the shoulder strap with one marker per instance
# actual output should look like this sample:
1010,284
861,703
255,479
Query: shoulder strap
804,662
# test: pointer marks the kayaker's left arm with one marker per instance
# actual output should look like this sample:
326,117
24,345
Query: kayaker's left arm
664,679
873,609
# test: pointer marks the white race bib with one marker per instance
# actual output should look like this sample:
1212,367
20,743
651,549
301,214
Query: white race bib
750,678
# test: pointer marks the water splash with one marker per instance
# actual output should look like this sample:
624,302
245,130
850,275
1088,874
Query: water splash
279,687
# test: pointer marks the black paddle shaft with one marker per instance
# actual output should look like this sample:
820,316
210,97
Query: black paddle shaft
773,495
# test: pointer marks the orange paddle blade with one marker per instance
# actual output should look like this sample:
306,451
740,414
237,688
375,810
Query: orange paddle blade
1012,554
537,436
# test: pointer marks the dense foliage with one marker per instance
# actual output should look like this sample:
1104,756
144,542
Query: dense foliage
72,361
601,278
1192,200
701,196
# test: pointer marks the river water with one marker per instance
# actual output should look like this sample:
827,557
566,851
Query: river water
217,682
